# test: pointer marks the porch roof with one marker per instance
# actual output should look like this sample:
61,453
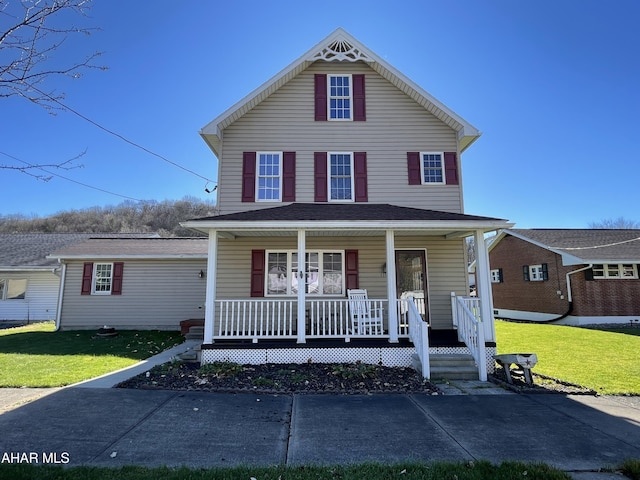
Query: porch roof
347,217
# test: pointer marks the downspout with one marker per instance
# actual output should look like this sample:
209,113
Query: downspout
569,298
60,294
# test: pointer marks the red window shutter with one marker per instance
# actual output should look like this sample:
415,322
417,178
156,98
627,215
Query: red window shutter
257,273
321,97
249,177
351,267
359,110
116,280
413,166
360,176
87,275
451,168
289,177
320,171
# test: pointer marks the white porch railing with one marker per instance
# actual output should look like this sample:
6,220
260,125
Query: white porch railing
466,318
269,319
419,335
255,319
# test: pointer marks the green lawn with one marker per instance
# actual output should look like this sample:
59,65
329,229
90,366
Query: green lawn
431,471
604,360
38,356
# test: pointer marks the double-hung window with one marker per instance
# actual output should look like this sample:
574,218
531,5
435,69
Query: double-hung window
340,97
340,177
102,278
432,169
269,175
324,273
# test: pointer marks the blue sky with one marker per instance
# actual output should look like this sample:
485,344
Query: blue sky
553,85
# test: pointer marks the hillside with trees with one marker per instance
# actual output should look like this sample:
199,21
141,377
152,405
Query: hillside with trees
128,217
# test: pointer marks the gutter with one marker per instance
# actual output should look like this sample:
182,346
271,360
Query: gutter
63,276
569,298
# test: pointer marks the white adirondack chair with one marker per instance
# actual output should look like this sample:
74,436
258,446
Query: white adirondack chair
365,319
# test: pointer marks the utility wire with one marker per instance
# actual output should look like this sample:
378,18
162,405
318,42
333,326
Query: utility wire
70,179
117,135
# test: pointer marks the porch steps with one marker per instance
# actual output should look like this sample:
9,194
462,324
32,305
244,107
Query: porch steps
452,366
196,332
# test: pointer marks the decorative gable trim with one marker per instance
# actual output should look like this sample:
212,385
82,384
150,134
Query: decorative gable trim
340,50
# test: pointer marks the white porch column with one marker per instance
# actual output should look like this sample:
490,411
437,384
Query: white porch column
302,280
210,294
483,284
391,287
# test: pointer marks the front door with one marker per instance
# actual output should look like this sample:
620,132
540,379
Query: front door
411,278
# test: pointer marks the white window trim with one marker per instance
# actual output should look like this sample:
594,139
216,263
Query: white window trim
329,97
352,174
495,275
605,273
5,289
535,273
258,176
95,278
444,173
290,293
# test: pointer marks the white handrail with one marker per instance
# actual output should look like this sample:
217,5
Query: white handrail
419,335
467,319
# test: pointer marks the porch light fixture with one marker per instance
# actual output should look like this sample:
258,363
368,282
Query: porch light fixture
201,274
384,269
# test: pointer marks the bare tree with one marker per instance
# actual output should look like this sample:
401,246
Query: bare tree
615,223
31,33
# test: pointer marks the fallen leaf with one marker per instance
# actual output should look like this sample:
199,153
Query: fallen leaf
113,454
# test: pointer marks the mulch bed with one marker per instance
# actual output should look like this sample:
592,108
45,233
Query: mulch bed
355,378
541,383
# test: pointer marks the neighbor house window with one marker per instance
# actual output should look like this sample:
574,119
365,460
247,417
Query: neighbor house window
269,175
615,270
432,167
535,273
102,278
13,289
496,275
341,176
323,273
340,97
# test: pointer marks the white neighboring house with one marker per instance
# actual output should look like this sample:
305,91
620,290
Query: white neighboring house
29,281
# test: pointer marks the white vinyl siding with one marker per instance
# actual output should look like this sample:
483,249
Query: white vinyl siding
395,125
40,299
446,270
156,294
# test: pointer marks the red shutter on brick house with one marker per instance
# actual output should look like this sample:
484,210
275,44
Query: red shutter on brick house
257,273
320,97
289,177
249,177
351,269
116,281
87,274
413,167
360,176
451,168
359,106
320,179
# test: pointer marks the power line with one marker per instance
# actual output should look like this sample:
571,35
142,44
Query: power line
117,135
69,179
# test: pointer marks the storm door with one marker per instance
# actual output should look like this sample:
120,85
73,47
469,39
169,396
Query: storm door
411,278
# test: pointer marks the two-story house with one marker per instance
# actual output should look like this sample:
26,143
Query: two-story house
340,173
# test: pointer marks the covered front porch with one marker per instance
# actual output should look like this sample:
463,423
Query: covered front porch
411,262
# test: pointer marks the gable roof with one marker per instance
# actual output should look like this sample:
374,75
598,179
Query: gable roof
28,251
140,248
339,46
345,217
580,246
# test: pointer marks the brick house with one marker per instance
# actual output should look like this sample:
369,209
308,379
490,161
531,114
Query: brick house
344,163
572,276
